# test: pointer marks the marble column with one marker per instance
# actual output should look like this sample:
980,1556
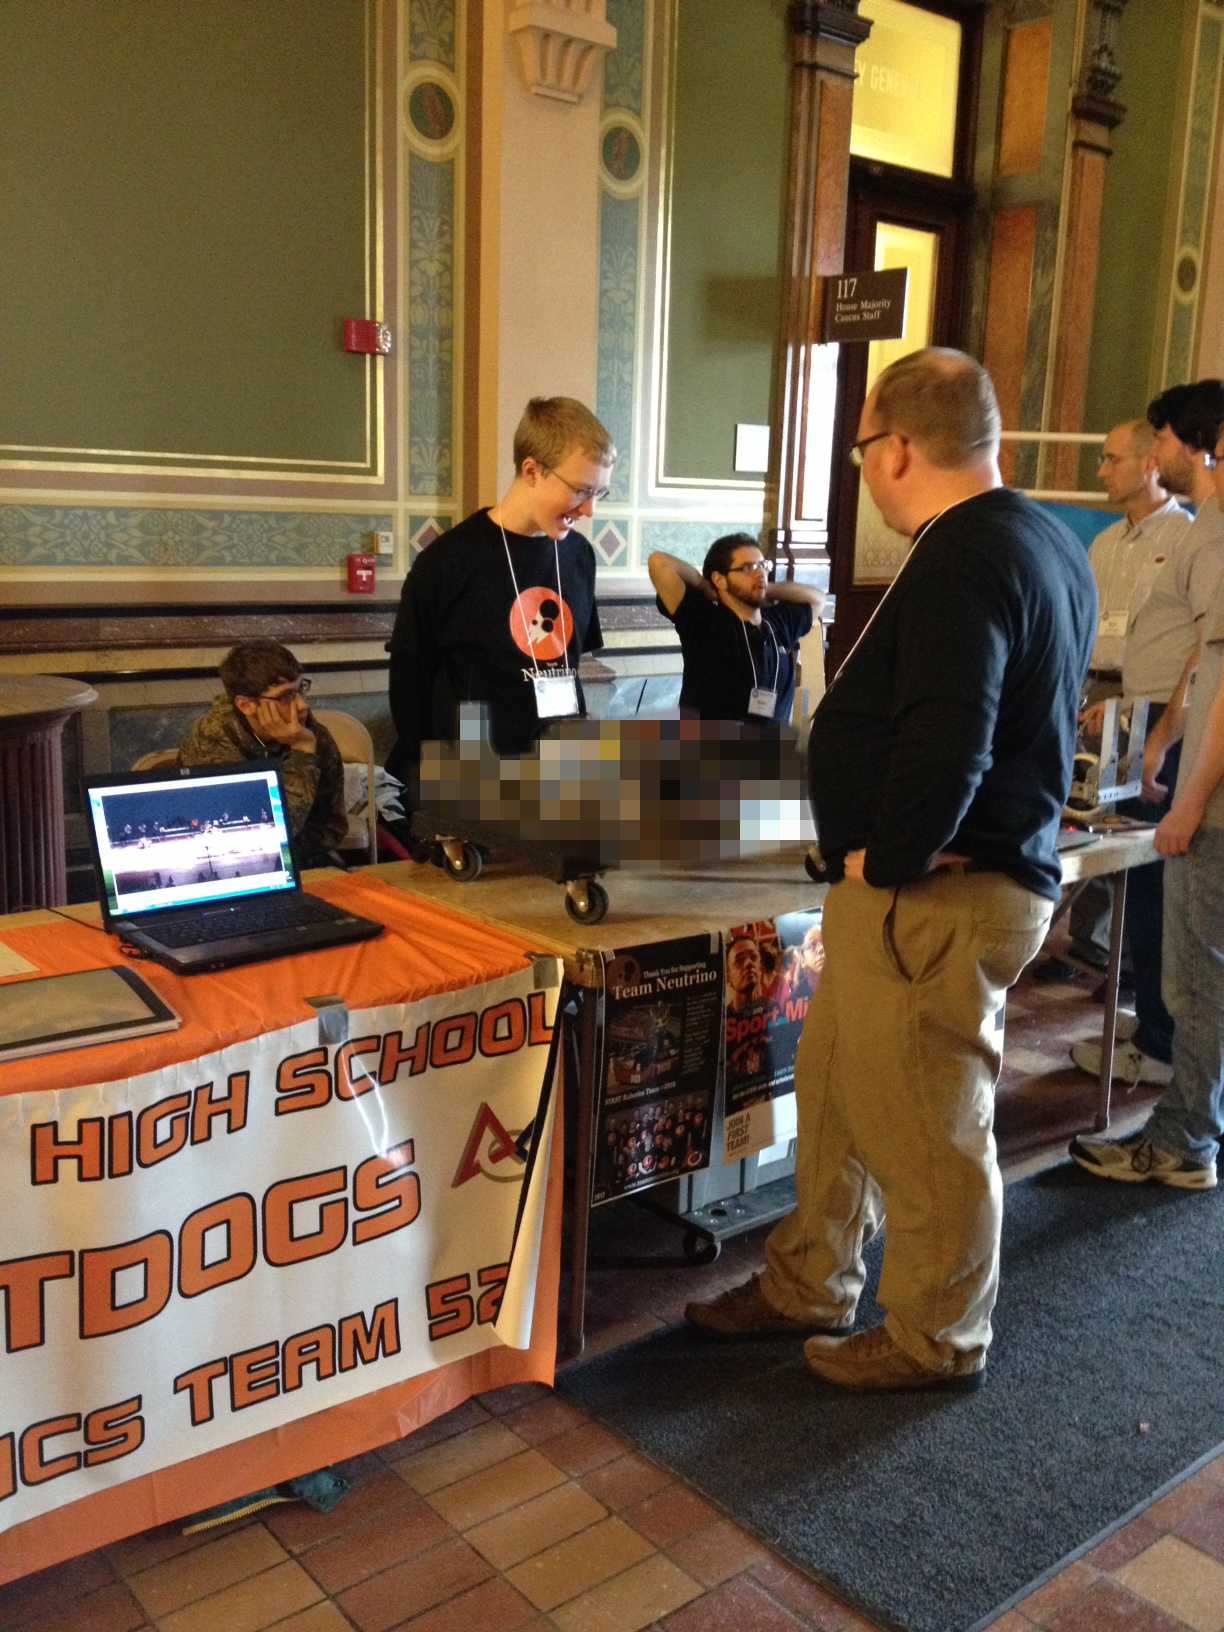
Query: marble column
823,40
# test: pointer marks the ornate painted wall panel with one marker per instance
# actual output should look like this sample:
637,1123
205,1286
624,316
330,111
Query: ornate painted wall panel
413,161
622,176
1196,169
431,103
89,536
641,516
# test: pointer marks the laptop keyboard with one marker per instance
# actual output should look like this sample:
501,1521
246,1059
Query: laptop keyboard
246,918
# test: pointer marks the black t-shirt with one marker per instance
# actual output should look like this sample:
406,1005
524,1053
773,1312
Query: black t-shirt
951,726
462,635
724,657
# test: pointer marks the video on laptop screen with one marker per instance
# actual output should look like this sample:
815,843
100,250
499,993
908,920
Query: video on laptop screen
190,839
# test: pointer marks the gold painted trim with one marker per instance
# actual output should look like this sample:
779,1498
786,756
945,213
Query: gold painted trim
203,458
655,476
1179,245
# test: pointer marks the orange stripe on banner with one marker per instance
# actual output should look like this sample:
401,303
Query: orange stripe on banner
424,950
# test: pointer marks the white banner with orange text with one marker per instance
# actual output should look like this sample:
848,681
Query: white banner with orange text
198,1254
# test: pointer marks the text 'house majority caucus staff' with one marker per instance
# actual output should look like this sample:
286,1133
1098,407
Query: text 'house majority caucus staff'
312,1222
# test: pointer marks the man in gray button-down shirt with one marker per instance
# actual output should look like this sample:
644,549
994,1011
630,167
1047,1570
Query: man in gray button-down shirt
1127,556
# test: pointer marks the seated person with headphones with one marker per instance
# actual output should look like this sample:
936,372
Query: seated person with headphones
738,630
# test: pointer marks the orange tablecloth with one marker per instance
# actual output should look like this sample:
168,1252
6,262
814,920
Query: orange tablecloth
425,949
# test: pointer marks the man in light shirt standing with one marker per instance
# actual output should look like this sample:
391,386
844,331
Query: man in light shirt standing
1158,650
1178,1145
1125,559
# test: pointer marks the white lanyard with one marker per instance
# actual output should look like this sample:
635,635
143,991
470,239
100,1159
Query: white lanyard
909,556
518,602
777,651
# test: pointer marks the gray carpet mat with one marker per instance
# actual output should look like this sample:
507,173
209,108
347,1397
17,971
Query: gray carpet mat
930,1512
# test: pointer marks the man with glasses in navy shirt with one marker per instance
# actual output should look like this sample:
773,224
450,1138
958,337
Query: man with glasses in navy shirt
738,630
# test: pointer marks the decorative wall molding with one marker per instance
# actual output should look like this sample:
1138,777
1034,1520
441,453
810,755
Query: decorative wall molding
84,536
624,145
432,124
559,43
1197,164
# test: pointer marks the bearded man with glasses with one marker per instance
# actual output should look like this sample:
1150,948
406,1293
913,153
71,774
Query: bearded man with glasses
738,630
263,714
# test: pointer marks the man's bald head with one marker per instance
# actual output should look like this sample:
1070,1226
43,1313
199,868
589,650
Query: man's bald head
1127,469
944,403
1139,436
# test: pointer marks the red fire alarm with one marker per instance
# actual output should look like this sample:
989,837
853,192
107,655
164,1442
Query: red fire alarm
364,334
361,574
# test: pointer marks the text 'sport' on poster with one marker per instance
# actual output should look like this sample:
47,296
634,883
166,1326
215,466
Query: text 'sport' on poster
660,1065
772,966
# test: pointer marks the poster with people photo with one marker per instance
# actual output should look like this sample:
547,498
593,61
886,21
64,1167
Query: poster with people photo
662,1035
772,967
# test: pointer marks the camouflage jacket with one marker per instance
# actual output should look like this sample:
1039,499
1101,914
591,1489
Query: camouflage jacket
314,783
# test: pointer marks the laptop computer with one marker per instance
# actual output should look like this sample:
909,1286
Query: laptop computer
194,868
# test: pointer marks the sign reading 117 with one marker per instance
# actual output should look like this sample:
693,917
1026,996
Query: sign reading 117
865,305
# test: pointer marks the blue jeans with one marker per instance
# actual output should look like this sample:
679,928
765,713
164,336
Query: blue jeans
1189,1118
1145,927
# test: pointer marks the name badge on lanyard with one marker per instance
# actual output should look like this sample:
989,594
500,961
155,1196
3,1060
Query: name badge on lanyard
763,700
1112,625
556,696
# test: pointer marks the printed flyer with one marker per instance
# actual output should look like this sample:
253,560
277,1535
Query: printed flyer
772,967
660,1064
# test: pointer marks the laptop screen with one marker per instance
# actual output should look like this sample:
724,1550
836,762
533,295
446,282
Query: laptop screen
203,837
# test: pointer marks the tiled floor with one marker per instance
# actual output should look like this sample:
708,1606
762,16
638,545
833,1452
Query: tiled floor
518,1511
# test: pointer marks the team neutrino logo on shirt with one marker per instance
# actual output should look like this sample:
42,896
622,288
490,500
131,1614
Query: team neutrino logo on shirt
541,625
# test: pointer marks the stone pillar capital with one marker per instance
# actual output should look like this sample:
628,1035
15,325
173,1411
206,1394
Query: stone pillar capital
560,44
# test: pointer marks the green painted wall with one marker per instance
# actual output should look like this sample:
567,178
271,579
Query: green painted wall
729,158
183,196
1138,179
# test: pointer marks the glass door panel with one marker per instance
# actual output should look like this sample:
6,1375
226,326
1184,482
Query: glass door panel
905,95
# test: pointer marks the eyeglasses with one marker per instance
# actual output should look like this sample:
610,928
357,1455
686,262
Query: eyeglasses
300,688
584,495
856,449
751,566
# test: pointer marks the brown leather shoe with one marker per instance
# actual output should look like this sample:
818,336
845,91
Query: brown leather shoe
745,1311
871,1360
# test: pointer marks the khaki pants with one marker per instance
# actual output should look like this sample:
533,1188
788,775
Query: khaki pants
895,1080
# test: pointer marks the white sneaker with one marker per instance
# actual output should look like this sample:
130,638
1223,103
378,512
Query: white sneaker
1130,1064
1136,1160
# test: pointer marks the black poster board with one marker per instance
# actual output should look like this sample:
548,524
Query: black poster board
663,1020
